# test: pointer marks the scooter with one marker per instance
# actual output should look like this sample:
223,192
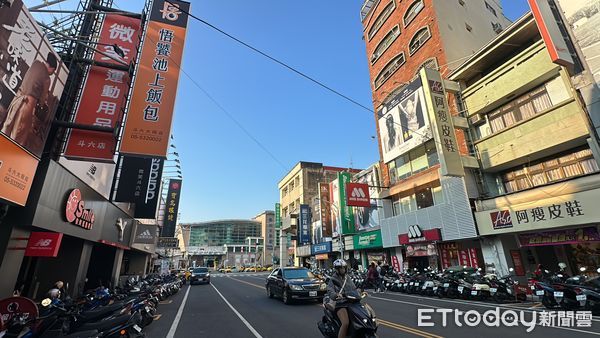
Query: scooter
363,322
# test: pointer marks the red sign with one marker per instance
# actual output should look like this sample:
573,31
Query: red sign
12,306
463,258
473,255
76,213
501,219
357,195
445,259
517,262
395,263
418,236
43,244
105,91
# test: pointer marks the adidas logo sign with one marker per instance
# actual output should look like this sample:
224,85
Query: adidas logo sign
145,235
358,192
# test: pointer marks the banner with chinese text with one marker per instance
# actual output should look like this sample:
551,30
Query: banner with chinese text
150,114
105,91
171,208
139,182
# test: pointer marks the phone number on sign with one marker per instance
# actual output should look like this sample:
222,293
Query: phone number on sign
146,138
14,183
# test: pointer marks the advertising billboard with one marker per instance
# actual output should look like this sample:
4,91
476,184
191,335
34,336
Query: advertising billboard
105,91
325,210
367,218
305,223
32,80
139,182
403,122
150,113
171,208
334,198
346,212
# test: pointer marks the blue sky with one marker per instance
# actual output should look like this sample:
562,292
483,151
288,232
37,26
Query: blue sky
226,174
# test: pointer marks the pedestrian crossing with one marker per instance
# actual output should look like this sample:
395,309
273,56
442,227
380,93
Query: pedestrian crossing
240,274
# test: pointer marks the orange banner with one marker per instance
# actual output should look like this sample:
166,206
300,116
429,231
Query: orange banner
150,115
17,168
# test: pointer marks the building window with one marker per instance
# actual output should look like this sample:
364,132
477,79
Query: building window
412,11
284,191
298,202
413,162
383,16
396,208
429,63
468,27
385,43
549,170
521,108
408,204
297,181
388,70
424,198
461,2
419,39
491,9
292,186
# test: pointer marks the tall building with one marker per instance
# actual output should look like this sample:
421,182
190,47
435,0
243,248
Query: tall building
402,38
270,252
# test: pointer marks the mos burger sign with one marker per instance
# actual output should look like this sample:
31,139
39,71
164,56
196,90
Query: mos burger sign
357,195
76,213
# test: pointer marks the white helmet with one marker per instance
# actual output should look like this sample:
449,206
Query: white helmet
339,263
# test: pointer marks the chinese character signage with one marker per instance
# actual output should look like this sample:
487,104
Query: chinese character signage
32,78
277,216
559,237
556,211
441,119
403,123
171,208
517,262
325,210
104,94
150,113
321,248
304,229
167,242
346,213
139,183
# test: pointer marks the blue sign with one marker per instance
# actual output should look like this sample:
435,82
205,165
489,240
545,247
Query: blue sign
321,248
304,231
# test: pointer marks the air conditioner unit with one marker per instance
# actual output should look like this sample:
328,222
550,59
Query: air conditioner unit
476,119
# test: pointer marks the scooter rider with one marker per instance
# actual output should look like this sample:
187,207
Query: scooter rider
340,283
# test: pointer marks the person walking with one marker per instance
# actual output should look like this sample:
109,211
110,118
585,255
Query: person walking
372,276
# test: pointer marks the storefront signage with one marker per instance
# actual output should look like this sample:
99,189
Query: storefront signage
321,248
152,105
304,230
303,251
473,257
76,213
103,98
368,240
517,262
416,235
357,195
277,216
43,244
395,263
555,37
139,182
553,212
322,257
569,236
171,208
17,168
420,250
168,242
145,234
445,258
441,119
463,258
325,210
346,212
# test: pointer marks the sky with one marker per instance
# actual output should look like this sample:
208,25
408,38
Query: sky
226,174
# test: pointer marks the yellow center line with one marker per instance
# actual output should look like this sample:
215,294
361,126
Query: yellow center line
393,325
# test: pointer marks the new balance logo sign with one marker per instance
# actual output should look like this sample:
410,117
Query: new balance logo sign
43,242
358,192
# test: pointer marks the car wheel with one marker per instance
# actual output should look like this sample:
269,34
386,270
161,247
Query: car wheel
286,297
269,292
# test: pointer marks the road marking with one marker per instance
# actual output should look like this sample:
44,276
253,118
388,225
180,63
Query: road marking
254,332
164,302
241,281
173,328
404,302
157,317
407,329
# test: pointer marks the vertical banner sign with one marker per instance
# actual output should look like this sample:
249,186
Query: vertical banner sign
304,224
171,208
443,129
347,214
325,210
463,258
32,78
139,183
150,113
445,259
277,216
473,256
104,94
517,262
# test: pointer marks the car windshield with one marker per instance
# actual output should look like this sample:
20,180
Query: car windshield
297,273
201,270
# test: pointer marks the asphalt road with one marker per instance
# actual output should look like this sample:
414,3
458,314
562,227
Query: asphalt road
237,306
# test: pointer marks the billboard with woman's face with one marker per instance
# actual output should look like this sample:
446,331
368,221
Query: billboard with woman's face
403,122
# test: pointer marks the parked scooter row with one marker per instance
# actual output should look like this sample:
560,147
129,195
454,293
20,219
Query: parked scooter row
99,313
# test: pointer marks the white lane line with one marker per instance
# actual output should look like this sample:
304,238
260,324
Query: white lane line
173,328
254,332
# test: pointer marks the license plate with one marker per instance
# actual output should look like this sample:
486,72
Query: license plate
461,288
474,293
411,283
581,297
558,294
435,288
405,284
424,287
312,293
137,328
446,285
539,293
493,290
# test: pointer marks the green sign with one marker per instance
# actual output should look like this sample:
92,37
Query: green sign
347,214
277,216
368,240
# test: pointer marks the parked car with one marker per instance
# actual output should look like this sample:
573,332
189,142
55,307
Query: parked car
200,275
294,283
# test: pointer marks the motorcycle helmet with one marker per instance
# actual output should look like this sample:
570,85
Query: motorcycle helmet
340,266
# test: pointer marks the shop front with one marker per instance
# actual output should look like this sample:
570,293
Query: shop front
94,236
420,247
549,230
322,254
368,246
303,256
